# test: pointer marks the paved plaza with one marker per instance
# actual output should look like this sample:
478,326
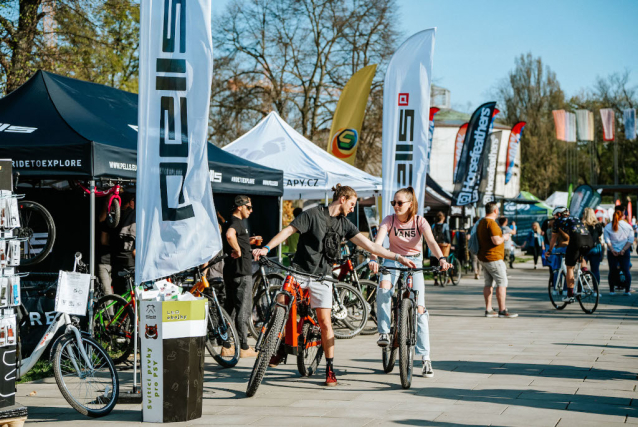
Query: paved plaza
545,368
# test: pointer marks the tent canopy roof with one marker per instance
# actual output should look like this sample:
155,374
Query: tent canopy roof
309,171
96,126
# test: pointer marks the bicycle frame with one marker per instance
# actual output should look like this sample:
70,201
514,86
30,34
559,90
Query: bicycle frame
61,320
114,193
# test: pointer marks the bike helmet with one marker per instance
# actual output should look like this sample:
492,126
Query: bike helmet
559,210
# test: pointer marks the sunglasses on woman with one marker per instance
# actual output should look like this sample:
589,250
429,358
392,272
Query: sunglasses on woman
399,203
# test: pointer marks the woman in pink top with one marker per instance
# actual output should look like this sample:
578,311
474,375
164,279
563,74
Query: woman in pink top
405,230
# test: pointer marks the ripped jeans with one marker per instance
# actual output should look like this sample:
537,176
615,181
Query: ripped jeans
384,303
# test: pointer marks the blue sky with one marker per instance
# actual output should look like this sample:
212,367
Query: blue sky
477,41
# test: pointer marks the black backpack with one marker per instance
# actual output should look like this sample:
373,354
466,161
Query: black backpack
331,240
439,235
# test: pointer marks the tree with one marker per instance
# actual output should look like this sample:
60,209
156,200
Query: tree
530,93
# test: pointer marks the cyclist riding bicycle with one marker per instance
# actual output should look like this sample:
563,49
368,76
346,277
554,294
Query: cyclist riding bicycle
579,243
405,230
321,230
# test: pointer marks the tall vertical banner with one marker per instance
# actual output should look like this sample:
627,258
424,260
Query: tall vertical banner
176,221
488,180
468,177
458,148
433,111
607,116
349,114
512,149
406,114
629,116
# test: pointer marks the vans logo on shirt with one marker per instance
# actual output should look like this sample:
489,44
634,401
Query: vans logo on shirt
411,232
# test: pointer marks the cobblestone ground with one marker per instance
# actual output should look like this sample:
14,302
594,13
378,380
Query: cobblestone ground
545,368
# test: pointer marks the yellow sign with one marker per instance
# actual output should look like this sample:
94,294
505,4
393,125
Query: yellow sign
179,311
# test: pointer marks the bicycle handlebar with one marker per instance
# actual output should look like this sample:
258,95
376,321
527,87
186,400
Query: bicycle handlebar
407,269
263,260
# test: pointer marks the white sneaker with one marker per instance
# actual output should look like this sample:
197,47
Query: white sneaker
384,340
612,293
427,369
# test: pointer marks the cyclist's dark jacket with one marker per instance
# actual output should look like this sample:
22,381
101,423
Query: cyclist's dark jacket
572,226
311,225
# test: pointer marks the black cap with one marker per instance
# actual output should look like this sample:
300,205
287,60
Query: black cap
241,201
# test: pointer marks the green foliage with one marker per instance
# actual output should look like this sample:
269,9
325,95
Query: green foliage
42,369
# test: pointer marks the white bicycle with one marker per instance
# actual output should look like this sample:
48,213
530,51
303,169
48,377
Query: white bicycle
585,292
83,370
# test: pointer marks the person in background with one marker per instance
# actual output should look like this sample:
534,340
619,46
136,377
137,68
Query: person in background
619,236
514,228
104,268
238,269
491,254
509,247
122,241
535,242
476,265
594,256
293,240
441,232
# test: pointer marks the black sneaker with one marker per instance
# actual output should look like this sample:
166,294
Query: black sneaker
506,313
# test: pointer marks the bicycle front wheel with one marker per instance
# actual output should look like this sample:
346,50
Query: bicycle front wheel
90,386
222,341
588,295
406,344
310,349
268,349
349,318
261,308
38,230
556,292
113,326
455,272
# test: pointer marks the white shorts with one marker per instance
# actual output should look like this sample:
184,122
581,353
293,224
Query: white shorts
320,292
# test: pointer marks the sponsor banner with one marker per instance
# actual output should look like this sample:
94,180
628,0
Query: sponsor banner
585,125
629,116
559,124
489,167
583,197
349,114
458,147
176,221
433,112
152,367
406,113
607,115
466,189
512,149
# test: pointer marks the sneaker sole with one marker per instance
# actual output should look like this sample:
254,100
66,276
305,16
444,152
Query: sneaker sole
491,315
331,384
383,345
508,317
428,375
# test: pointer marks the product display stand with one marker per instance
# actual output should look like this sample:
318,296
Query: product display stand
11,413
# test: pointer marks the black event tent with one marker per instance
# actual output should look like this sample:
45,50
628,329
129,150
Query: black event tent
59,127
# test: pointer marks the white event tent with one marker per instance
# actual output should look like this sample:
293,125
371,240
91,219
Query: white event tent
309,171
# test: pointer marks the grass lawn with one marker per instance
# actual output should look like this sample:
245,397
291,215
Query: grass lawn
42,369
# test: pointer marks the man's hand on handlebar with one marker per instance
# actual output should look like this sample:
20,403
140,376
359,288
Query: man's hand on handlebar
373,265
258,253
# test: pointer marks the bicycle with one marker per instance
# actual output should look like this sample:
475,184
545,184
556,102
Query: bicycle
586,287
265,285
83,370
113,209
37,230
290,313
453,274
404,321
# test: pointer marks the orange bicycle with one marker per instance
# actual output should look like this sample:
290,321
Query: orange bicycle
291,318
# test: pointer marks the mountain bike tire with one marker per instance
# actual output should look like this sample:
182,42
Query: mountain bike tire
357,310
406,350
212,339
588,298
113,326
268,349
114,213
369,292
556,300
260,311
35,222
104,370
455,273
308,358
388,357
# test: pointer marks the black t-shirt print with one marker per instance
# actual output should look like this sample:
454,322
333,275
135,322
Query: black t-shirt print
572,226
242,266
312,226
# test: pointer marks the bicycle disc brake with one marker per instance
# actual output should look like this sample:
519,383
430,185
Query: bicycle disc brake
339,313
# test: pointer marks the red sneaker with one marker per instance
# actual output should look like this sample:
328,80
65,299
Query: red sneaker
277,358
331,378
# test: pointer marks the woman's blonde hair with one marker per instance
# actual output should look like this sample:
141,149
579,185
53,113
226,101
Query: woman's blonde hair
536,227
409,192
589,217
342,190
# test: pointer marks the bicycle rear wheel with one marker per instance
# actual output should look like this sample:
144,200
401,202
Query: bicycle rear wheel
556,293
406,345
588,295
222,344
90,391
268,349
454,273
113,326
369,292
310,349
388,357
38,228
349,321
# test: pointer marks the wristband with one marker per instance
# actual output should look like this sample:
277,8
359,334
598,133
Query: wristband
396,257
374,260
267,248
445,258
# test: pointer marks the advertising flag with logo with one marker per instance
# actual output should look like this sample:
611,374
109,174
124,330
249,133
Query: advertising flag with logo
349,114
406,117
458,147
433,112
176,221
490,162
512,149
470,168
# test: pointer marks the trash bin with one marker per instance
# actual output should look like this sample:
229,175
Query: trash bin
173,335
